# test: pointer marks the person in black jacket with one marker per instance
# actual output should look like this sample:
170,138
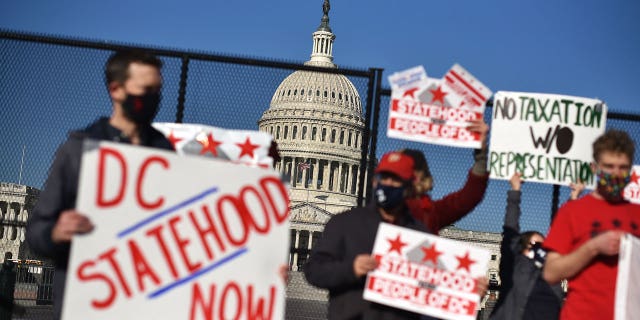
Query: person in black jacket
134,81
524,294
341,259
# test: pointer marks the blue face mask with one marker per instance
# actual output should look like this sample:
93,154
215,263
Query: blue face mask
388,197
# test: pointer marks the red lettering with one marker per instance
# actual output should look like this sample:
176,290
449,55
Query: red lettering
209,229
156,233
197,300
82,276
274,190
250,220
259,312
141,173
101,200
141,266
182,245
238,207
223,303
109,256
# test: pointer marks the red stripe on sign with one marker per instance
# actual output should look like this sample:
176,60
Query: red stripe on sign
394,105
459,78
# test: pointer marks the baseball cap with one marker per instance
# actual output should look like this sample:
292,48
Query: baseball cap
396,163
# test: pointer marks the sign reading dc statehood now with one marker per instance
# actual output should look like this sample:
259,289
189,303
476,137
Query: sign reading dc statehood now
436,110
426,274
176,238
546,137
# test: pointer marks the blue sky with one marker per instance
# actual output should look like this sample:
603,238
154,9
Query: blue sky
584,48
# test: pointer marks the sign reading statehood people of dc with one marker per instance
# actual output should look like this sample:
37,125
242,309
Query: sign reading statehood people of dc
426,274
436,111
176,238
632,191
546,137
238,146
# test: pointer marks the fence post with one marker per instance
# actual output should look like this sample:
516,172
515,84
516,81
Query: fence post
7,287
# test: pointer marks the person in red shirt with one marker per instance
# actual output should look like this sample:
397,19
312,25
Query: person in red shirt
436,214
584,238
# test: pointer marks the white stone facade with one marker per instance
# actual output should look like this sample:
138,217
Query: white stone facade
15,202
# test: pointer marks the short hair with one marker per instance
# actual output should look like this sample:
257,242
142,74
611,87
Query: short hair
419,161
616,141
117,66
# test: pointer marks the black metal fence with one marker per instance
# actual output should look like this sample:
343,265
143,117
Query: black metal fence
49,85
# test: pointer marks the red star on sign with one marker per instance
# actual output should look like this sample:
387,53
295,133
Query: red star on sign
431,254
410,92
465,262
173,139
438,95
247,148
209,144
634,177
396,244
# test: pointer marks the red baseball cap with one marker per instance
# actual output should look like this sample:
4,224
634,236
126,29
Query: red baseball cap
396,163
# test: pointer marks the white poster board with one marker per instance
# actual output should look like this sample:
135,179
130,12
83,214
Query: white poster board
426,274
436,111
238,146
628,281
632,191
176,238
547,137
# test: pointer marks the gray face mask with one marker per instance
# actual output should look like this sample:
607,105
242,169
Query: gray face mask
388,197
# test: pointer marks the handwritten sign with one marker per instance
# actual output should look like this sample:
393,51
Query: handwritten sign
436,111
239,146
426,274
628,279
632,191
176,238
547,137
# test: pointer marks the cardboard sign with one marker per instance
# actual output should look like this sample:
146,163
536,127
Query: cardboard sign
632,191
628,280
238,146
436,111
547,137
176,238
426,274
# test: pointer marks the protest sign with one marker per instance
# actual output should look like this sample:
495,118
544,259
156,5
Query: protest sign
436,111
426,274
632,191
546,137
628,280
239,146
176,238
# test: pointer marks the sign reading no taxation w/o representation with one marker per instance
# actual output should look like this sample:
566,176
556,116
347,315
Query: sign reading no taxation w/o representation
546,137
426,274
436,111
176,238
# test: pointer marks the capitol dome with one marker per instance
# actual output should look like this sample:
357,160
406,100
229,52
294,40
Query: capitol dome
316,119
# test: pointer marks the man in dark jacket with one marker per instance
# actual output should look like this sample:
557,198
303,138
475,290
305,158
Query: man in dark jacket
342,258
133,80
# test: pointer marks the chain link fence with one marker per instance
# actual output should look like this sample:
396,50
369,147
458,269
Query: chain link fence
49,86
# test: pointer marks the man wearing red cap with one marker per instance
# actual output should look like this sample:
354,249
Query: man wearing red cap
341,259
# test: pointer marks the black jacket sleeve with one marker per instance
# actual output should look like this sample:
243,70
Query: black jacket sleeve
509,247
328,266
59,194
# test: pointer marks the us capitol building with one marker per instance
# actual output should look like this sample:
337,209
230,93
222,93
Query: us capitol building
316,119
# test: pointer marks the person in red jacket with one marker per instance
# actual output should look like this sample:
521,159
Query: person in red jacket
436,214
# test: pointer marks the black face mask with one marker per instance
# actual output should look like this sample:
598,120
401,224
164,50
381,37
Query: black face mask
141,109
388,197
